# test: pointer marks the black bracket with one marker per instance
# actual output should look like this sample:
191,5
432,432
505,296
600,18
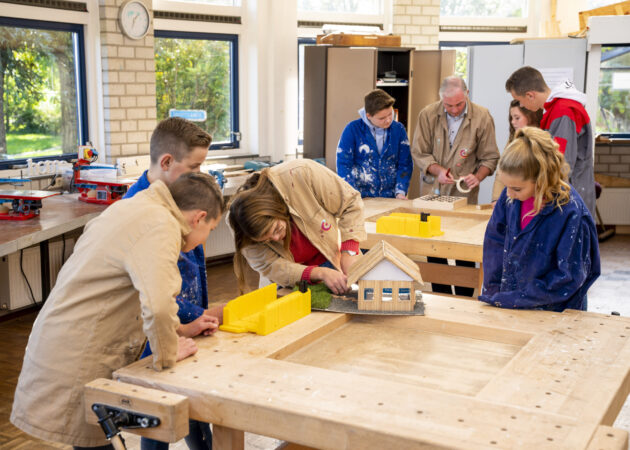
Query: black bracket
112,419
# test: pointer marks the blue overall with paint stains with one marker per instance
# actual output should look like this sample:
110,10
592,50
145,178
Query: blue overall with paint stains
548,265
373,173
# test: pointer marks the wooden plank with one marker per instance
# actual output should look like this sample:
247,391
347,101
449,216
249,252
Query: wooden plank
452,275
171,409
608,438
377,207
227,438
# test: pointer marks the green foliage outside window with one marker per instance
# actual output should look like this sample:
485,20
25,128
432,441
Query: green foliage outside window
195,74
613,115
38,93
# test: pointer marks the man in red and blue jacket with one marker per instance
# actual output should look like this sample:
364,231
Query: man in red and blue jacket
565,119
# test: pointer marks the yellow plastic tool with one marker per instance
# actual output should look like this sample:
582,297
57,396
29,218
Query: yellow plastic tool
261,312
406,224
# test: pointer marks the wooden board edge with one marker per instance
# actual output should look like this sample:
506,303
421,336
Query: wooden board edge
171,409
608,438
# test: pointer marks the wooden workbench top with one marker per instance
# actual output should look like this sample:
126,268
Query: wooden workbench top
59,214
466,375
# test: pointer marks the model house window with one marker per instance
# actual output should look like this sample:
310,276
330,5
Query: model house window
387,295
43,110
613,115
404,294
197,78
368,294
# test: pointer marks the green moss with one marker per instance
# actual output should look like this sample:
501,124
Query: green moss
321,296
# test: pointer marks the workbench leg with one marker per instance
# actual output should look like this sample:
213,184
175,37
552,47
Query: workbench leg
224,438
480,284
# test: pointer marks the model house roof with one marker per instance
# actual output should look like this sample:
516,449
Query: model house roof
383,251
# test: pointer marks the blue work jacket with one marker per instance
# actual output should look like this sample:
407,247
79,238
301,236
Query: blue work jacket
193,298
548,265
371,173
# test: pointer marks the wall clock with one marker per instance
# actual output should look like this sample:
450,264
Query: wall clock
134,19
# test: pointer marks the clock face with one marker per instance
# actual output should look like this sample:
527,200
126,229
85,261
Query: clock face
134,19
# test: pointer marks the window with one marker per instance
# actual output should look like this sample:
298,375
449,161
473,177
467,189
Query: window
43,109
461,54
197,78
368,294
480,8
342,6
387,295
404,294
613,115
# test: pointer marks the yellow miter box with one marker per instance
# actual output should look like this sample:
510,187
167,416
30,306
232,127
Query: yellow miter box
262,312
406,224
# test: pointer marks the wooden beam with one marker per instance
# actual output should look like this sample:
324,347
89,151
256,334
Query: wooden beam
171,409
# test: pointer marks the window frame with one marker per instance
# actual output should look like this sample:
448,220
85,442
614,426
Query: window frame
302,41
83,128
235,133
609,134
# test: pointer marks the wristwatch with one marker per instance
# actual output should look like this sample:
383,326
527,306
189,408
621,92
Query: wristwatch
349,252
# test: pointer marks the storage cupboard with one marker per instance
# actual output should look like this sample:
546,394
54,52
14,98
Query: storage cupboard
337,78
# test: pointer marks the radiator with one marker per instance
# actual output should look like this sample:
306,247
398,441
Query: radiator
56,259
14,291
220,242
614,206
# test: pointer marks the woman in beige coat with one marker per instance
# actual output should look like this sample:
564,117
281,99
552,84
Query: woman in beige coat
118,286
297,221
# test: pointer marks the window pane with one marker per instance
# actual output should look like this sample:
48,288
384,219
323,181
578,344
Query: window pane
461,59
404,294
194,76
613,115
342,6
368,294
387,295
39,101
483,8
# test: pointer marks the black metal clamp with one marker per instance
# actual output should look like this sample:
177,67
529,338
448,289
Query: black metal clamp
113,419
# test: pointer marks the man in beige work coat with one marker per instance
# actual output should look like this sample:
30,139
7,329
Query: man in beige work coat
118,286
454,138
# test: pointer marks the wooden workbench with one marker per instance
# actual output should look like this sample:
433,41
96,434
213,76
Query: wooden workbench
59,214
466,375
464,230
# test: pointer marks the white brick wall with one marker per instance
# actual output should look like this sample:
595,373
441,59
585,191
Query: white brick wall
128,85
417,22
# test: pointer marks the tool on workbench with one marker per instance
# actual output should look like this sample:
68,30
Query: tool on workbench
262,312
24,204
101,187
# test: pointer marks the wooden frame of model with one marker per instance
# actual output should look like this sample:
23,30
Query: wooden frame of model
387,279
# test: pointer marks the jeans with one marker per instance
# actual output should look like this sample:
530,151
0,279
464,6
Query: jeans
199,438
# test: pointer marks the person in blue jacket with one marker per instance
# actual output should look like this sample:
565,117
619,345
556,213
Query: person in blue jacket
373,152
540,249
178,146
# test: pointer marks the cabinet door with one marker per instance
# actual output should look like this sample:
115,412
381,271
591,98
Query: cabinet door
351,75
429,68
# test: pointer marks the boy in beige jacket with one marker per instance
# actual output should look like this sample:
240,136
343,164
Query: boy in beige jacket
118,286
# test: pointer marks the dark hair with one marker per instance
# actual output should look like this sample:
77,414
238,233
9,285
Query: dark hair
377,100
524,80
198,191
253,211
178,137
533,118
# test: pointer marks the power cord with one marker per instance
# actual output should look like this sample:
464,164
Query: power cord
25,278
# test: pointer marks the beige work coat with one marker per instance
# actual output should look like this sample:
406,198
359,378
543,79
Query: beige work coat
118,286
325,208
474,146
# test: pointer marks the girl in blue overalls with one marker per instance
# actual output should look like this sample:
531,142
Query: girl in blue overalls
540,249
